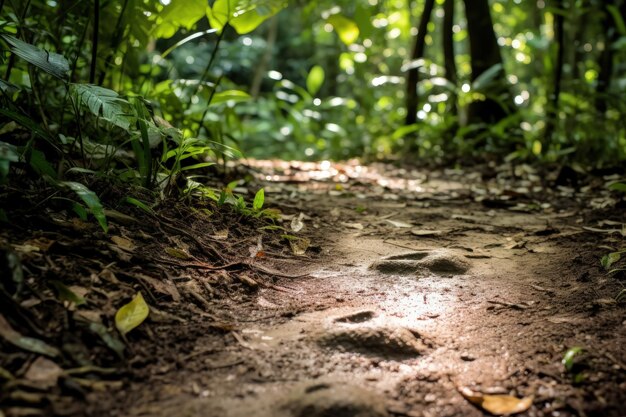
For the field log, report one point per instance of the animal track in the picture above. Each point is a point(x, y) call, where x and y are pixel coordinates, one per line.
point(440, 262)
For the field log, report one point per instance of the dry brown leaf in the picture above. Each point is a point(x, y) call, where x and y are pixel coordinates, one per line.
point(123, 243)
point(299, 246)
point(498, 405)
point(424, 232)
point(399, 225)
point(44, 373)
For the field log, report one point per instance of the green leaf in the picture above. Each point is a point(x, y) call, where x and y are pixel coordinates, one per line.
point(140, 204)
point(259, 199)
point(177, 14)
point(315, 79)
point(618, 186)
point(80, 211)
point(483, 80)
point(28, 123)
point(243, 15)
point(91, 200)
point(105, 103)
point(608, 260)
point(197, 166)
point(570, 355)
point(52, 63)
point(235, 96)
point(41, 165)
point(347, 30)
point(66, 294)
point(132, 314)
point(27, 343)
point(619, 20)
point(110, 340)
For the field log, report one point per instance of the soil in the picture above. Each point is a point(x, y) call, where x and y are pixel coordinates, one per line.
point(414, 285)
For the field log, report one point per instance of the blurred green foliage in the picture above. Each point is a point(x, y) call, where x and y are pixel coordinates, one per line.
point(196, 81)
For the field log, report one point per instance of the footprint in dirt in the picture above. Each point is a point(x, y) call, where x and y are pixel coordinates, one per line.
point(336, 399)
point(440, 262)
point(359, 332)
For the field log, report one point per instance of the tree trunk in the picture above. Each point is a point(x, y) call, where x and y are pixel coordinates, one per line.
point(485, 54)
point(448, 51)
point(606, 60)
point(413, 73)
point(448, 41)
point(559, 40)
point(261, 68)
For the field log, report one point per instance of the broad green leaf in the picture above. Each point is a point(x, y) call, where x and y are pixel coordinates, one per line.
point(52, 63)
point(132, 314)
point(105, 103)
point(570, 355)
point(315, 79)
point(243, 15)
point(229, 95)
point(91, 200)
point(259, 200)
point(347, 30)
point(177, 14)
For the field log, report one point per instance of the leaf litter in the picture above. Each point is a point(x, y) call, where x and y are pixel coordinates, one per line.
point(209, 297)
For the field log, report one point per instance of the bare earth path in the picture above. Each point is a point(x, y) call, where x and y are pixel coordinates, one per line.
point(417, 287)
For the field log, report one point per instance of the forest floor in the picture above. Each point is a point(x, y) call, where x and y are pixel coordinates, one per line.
point(397, 292)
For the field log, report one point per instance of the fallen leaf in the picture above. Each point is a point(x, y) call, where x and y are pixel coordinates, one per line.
point(299, 246)
point(132, 314)
point(124, 243)
point(27, 343)
point(42, 243)
point(424, 232)
point(221, 234)
point(297, 224)
point(67, 294)
point(357, 226)
point(109, 339)
point(177, 253)
point(257, 251)
point(399, 225)
point(499, 405)
point(44, 372)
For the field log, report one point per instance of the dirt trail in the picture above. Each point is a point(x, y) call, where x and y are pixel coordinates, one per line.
point(419, 289)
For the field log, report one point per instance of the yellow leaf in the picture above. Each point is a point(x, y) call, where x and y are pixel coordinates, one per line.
point(132, 314)
point(123, 243)
point(177, 253)
point(499, 405)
